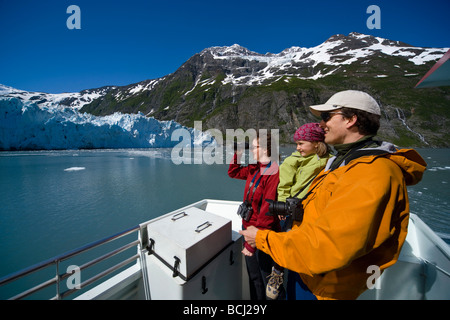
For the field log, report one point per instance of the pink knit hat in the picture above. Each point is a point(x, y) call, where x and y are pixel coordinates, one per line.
point(309, 132)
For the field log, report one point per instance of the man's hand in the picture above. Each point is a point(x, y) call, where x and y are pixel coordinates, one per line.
point(250, 235)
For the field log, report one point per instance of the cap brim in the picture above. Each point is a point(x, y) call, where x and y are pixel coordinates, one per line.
point(318, 109)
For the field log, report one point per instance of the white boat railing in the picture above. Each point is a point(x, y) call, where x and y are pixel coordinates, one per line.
point(56, 262)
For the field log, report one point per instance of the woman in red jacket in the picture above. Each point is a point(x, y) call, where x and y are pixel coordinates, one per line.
point(261, 183)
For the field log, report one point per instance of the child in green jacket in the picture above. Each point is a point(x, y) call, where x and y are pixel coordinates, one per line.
point(306, 162)
point(296, 174)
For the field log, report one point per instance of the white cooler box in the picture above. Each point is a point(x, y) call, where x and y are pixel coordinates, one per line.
point(193, 256)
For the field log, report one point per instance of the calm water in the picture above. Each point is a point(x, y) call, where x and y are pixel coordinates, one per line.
point(55, 201)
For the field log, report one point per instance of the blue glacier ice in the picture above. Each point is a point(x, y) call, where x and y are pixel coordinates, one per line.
point(27, 126)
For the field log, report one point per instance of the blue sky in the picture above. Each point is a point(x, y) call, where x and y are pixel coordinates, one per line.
point(124, 42)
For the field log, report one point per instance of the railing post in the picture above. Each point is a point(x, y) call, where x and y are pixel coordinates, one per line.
point(58, 296)
point(143, 236)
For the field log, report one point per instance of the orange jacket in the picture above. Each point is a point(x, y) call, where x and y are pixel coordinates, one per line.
point(355, 216)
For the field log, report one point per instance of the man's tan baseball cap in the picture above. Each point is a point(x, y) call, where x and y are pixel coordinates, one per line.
point(349, 99)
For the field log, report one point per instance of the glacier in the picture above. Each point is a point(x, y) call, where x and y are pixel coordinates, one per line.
point(24, 125)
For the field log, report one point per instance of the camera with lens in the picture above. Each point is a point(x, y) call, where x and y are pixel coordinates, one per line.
point(292, 207)
point(245, 210)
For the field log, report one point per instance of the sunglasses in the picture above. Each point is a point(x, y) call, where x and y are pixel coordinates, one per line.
point(327, 115)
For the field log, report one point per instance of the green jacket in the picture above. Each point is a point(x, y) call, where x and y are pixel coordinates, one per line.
point(296, 172)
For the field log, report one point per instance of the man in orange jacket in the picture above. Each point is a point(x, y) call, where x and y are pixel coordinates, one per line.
point(356, 211)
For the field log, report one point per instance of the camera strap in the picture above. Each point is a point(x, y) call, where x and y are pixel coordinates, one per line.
point(306, 186)
point(257, 182)
point(350, 155)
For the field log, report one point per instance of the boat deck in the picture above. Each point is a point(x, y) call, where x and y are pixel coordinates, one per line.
point(422, 271)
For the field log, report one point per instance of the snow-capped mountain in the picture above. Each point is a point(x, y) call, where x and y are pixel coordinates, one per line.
point(335, 53)
point(74, 100)
point(232, 87)
point(243, 67)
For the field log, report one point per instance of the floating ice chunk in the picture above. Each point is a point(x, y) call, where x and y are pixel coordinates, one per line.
point(75, 169)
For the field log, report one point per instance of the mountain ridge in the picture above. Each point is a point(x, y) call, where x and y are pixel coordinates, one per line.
point(233, 87)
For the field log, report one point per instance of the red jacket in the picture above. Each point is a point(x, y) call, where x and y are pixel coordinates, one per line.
point(267, 189)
